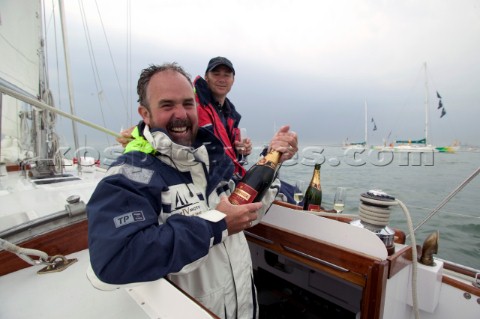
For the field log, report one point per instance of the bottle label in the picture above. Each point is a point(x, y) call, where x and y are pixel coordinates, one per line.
point(316, 185)
point(313, 207)
point(243, 194)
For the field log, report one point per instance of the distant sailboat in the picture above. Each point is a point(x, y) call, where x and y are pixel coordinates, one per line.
point(364, 144)
point(419, 145)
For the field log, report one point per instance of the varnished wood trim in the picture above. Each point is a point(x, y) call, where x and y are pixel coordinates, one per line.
point(373, 297)
point(458, 268)
point(64, 241)
point(350, 276)
point(470, 288)
point(354, 261)
point(315, 259)
point(399, 260)
point(11, 167)
point(399, 236)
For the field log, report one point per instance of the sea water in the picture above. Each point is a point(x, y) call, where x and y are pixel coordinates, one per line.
point(420, 181)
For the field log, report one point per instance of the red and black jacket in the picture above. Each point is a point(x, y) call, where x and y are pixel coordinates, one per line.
point(208, 117)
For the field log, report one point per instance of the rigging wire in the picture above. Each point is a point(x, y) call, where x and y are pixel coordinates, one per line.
point(129, 59)
point(44, 47)
point(444, 212)
point(449, 196)
point(113, 61)
point(98, 81)
point(102, 98)
point(57, 55)
point(52, 19)
point(93, 63)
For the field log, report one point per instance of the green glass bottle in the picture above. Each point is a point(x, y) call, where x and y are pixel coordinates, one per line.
point(313, 194)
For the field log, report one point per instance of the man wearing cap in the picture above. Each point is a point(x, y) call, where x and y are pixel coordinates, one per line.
point(217, 112)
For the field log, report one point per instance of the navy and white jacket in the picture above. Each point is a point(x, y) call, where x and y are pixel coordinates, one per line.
point(153, 216)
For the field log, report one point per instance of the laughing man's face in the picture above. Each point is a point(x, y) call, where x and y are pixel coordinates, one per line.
point(171, 107)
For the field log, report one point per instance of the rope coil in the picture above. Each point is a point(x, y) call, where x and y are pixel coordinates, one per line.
point(374, 208)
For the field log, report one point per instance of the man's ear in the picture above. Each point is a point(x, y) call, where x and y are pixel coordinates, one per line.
point(144, 113)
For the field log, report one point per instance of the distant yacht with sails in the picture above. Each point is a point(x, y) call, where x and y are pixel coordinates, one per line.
point(419, 145)
point(361, 145)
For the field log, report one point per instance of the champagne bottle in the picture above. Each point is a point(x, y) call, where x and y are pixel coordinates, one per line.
point(252, 187)
point(313, 194)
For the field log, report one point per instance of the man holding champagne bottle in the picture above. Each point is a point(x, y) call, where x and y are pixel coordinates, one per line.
point(163, 209)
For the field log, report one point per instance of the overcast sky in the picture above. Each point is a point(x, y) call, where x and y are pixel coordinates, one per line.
point(310, 64)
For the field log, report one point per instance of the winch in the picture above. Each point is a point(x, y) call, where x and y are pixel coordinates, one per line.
point(374, 213)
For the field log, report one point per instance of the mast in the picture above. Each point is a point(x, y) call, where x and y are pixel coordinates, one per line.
point(42, 128)
point(426, 104)
point(69, 79)
point(366, 125)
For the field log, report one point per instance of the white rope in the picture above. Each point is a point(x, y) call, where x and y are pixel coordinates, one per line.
point(25, 253)
point(414, 258)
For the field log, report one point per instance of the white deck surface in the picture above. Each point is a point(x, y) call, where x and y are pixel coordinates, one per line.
point(23, 201)
point(68, 294)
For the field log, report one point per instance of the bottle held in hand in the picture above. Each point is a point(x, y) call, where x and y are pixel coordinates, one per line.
point(313, 195)
point(257, 180)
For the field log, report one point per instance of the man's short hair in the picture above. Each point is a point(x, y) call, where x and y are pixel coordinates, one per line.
point(153, 69)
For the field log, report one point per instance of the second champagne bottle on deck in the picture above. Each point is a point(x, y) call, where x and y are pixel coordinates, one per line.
point(253, 186)
point(313, 194)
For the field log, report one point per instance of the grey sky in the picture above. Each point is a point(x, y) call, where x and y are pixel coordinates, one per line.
point(310, 64)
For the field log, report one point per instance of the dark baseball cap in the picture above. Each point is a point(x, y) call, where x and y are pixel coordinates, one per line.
point(220, 60)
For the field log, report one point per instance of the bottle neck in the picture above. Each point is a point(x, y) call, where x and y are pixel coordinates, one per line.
point(271, 159)
point(315, 182)
point(273, 156)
